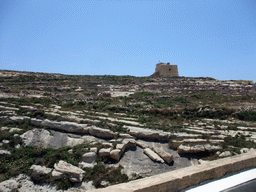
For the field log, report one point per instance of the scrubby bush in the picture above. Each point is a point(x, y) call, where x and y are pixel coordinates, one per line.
point(247, 116)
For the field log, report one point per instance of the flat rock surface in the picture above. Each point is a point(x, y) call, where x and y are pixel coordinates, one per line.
point(135, 161)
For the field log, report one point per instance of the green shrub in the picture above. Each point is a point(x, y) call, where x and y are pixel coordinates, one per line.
point(247, 116)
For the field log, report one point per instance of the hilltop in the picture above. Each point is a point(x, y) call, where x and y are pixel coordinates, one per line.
point(113, 129)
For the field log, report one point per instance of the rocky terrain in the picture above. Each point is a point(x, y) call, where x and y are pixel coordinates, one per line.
point(76, 133)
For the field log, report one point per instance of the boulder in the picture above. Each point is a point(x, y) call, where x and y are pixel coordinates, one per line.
point(104, 152)
point(84, 165)
point(75, 174)
point(129, 143)
point(89, 157)
point(9, 186)
point(4, 152)
point(225, 154)
point(57, 174)
point(39, 171)
point(116, 154)
point(152, 155)
point(163, 154)
point(102, 133)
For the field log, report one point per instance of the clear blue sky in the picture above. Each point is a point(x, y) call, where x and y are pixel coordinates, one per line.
point(205, 38)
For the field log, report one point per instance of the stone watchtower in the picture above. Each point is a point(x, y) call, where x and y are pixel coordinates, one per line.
point(166, 70)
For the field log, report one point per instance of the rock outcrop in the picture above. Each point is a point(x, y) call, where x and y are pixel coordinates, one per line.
point(67, 126)
point(148, 133)
point(48, 139)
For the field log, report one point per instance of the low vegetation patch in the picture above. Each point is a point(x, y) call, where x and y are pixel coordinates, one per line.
point(100, 173)
point(238, 141)
point(247, 116)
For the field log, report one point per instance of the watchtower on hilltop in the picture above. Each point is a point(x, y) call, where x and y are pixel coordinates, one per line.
point(166, 70)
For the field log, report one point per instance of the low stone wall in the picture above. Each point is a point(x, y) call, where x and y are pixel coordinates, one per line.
point(183, 178)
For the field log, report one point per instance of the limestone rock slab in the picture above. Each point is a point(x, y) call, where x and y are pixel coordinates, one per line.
point(102, 133)
point(75, 173)
point(163, 154)
point(89, 157)
point(152, 155)
point(148, 133)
